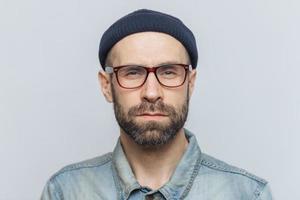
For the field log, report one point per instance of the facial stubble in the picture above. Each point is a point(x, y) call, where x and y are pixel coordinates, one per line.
point(150, 133)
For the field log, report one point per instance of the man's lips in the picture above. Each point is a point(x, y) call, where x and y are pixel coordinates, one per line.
point(152, 114)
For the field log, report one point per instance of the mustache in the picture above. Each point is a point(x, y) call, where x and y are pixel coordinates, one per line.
point(145, 107)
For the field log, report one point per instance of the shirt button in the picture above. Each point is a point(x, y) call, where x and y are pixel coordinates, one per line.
point(149, 197)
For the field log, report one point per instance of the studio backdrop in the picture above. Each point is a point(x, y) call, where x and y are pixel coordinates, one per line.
point(245, 109)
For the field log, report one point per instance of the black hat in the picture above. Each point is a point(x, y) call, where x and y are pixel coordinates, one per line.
point(148, 20)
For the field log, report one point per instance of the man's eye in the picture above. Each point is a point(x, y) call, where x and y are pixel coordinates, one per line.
point(133, 72)
point(168, 72)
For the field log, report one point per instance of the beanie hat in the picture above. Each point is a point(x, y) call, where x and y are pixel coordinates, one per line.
point(148, 20)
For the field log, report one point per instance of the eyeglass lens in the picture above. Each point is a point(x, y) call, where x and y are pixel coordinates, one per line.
point(134, 76)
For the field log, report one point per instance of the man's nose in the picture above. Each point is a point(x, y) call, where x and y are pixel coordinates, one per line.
point(151, 90)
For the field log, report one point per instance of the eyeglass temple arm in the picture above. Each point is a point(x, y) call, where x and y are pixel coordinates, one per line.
point(109, 69)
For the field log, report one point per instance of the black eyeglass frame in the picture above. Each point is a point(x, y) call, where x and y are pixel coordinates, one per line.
point(110, 70)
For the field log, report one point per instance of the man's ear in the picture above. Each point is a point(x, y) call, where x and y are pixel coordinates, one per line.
point(192, 80)
point(105, 84)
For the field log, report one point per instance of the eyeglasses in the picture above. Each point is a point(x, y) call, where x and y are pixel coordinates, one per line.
point(134, 76)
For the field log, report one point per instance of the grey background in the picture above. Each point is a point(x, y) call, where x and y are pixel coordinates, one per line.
point(245, 109)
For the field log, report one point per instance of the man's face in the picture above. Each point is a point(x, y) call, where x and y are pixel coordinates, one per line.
point(151, 114)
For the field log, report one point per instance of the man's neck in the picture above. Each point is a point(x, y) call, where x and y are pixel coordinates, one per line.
point(154, 166)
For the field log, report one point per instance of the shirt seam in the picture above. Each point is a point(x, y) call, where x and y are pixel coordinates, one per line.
point(258, 191)
point(57, 189)
point(192, 178)
point(78, 166)
point(233, 171)
point(116, 181)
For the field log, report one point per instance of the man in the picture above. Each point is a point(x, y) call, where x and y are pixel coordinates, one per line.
point(149, 60)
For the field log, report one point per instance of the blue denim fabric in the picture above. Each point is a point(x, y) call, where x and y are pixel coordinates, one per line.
point(197, 176)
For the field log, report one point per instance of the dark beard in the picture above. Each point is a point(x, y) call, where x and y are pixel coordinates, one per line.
point(151, 133)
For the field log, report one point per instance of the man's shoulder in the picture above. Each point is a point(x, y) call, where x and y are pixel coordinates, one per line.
point(228, 181)
point(86, 166)
point(81, 179)
point(216, 166)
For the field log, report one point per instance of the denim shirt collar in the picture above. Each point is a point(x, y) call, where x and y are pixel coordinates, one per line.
point(178, 185)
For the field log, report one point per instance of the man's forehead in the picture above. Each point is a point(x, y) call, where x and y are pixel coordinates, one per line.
point(147, 46)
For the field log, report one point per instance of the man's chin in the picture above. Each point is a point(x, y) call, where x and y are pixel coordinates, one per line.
point(152, 137)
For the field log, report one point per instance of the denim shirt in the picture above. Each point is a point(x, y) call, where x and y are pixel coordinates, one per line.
point(197, 176)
